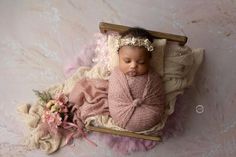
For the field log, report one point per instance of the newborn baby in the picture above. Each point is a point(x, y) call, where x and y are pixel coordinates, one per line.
point(135, 93)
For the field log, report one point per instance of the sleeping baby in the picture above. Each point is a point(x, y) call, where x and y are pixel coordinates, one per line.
point(133, 96)
point(135, 92)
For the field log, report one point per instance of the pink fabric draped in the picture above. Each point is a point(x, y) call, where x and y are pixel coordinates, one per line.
point(90, 98)
point(137, 106)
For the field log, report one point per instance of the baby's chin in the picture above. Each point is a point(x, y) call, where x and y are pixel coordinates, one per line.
point(134, 73)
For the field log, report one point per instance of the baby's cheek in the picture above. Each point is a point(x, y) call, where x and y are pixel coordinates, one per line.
point(123, 67)
point(143, 69)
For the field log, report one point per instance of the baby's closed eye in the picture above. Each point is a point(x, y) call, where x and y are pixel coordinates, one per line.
point(141, 62)
point(127, 60)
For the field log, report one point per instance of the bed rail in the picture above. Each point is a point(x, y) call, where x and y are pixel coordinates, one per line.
point(104, 27)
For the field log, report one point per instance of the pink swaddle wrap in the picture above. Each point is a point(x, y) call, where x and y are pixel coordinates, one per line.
point(135, 103)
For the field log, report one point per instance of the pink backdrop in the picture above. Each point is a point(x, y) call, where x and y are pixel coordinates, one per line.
point(37, 38)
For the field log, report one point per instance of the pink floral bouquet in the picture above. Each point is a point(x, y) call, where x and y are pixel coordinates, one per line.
point(61, 116)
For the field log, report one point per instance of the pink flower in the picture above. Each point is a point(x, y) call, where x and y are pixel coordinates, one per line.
point(52, 119)
point(62, 99)
point(53, 106)
point(57, 111)
point(59, 104)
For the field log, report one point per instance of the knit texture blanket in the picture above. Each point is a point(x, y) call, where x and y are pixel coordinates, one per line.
point(90, 98)
point(136, 103)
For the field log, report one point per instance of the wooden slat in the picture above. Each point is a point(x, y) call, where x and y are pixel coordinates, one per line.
point(123, 133)
point(104, 27)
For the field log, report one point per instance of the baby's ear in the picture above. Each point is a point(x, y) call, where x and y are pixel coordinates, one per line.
point(118, 51)
point(149, 55)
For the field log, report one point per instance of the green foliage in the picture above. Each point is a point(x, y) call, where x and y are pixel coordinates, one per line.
point(43, 96)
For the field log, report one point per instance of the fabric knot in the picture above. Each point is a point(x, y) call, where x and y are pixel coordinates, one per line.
point(137, 102)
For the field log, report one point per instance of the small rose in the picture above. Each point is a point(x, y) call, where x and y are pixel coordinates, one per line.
point(52, 119)
point(51, 103)
point(53, 106)
point(62, 98)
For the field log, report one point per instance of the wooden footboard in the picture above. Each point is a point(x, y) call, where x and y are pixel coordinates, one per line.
point(123, 133)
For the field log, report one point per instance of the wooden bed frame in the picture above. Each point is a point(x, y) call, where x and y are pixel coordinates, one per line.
point(105, 27)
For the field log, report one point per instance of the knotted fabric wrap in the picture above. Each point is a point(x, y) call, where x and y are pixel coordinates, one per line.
point(138, 106)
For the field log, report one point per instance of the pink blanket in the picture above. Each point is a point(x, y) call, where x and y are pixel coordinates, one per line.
point(136, 103)
point(90, 98)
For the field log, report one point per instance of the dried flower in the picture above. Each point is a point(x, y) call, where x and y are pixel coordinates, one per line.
point(59, 113)
point(52, 119)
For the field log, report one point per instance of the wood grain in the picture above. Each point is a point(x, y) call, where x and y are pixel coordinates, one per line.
point(104, 27)
point(123, 133)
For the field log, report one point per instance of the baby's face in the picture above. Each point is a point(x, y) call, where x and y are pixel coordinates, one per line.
point(133, 61)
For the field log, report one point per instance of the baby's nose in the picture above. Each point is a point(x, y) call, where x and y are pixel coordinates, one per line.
point(133, 65)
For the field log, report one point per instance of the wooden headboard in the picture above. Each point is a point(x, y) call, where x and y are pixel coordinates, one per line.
point(104, 27)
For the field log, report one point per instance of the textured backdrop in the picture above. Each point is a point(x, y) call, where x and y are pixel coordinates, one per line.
point(37, 36)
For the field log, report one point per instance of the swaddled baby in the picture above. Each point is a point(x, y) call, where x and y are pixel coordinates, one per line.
point(135, 93)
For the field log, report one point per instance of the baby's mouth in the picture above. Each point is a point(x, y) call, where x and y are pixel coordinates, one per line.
point(132, 73)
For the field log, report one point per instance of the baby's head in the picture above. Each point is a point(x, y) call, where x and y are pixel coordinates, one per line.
point(135, 51)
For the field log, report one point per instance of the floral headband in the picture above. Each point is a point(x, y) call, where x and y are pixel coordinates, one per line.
point(132, 41)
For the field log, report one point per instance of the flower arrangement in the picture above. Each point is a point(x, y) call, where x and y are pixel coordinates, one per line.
point(61, 116)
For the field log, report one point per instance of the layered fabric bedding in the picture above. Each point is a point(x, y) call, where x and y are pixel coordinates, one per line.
point(134, 103)
point(179, 65)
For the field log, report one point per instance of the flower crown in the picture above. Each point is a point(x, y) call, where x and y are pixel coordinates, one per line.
point(132, 41)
